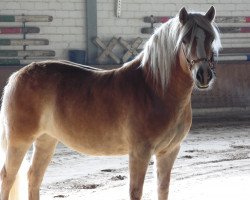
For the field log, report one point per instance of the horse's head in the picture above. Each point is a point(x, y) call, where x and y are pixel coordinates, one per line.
point(198, 43)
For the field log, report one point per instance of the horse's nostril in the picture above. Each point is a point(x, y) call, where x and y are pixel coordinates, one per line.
point(199, 75)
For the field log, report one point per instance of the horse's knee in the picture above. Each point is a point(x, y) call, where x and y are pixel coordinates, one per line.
point(6, 179)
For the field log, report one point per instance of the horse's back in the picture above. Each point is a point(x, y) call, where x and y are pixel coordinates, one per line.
point(66, 102)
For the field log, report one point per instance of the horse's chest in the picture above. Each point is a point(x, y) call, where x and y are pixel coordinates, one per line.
point(181, 129)
point(177, 131)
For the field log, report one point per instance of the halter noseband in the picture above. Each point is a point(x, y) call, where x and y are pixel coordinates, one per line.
point(210, 61)
point(191, 63)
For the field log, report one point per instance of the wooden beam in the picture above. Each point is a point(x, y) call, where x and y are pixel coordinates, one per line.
point(234, 29)
point(150, 30)
point(25, 18)
point(23, 42)
point(218, 19)
point(9, 62)
point(232, 19)
point(235, 51)
point(19, 30)
point(27, 53)
point(233, 58)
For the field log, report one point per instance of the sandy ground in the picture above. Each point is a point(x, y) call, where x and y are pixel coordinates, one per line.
point(213, 164)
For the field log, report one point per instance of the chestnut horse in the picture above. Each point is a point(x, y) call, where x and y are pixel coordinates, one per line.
point(141, 109)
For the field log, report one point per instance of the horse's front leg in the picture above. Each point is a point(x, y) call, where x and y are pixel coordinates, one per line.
point(164, 163)
point(138, 164)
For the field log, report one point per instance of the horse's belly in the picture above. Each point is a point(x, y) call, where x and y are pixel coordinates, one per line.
point(95, 144)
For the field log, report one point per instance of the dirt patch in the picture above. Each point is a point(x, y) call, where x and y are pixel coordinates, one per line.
point(187, 157)
point(108, 170)
point(240, 146)
point(60, 196)
point(118, 178)
point(86, 187)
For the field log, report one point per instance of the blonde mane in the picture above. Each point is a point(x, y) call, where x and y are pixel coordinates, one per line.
point(160, 51)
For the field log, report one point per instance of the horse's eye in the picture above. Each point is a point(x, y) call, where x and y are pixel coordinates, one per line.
point(185, 41)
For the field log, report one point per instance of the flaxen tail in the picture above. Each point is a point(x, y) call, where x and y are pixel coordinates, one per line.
point(19, 190)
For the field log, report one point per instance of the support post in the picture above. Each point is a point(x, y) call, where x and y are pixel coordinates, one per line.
point(91, 30)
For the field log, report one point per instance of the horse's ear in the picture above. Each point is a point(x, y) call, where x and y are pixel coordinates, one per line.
point(210, 14)
point(183, 16)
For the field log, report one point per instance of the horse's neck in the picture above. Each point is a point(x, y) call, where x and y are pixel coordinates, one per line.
point(180, 85)
point(177, 92)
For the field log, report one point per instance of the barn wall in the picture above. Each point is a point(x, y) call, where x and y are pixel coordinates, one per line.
point(231, 88)
point(66, 31)
point(130, 23)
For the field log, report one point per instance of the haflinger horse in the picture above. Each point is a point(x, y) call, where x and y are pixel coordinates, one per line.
point(141, 109)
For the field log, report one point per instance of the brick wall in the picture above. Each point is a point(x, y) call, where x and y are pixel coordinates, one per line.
point(67, 30)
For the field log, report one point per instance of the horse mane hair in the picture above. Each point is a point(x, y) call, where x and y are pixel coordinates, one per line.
point(160, 51)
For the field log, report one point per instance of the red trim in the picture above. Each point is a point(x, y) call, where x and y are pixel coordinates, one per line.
point(248, 19)
point(10, 30)
point(245, 30)
point(164, 19)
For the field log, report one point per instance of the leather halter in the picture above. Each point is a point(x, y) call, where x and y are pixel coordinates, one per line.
point(191, 63)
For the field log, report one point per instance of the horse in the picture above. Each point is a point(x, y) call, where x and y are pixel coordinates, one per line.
point(142, 109)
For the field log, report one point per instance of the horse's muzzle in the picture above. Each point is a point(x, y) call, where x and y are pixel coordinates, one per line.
point(204, 76)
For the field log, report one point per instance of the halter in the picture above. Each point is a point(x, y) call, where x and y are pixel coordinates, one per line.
point(191, 63)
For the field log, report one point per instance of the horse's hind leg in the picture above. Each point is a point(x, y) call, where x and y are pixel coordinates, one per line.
point(15, 152)
point(164, 162)
point(43, 151)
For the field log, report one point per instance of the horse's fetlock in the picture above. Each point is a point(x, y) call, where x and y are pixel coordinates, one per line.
point(135, 194)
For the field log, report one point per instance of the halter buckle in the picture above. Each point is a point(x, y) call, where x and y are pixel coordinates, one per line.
point(192, 62)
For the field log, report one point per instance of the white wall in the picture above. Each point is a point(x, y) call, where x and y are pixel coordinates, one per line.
point(68, 30)
point(131, 21)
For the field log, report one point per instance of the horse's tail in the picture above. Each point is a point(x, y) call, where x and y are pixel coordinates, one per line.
point(19, 190)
